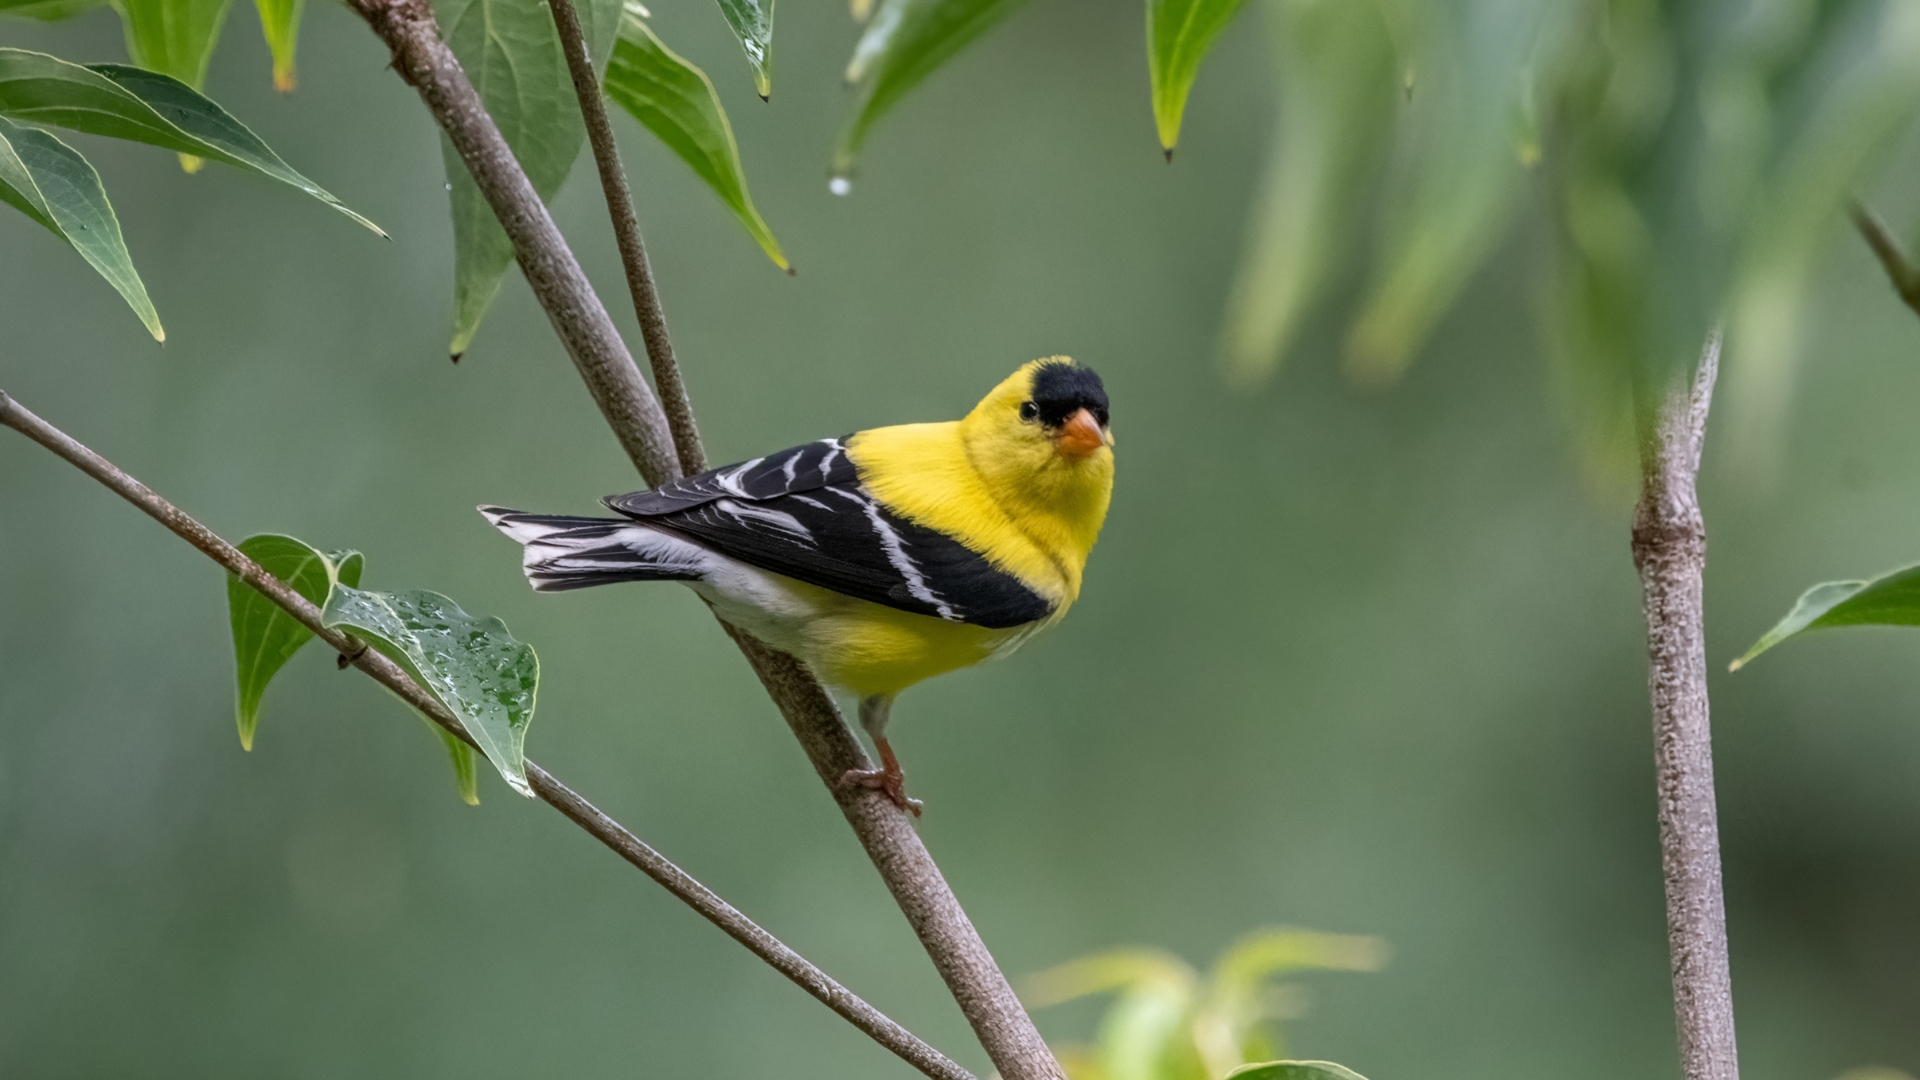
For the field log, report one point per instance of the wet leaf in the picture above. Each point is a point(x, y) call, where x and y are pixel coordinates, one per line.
point(173, 37)
point(752, 22)
point(280, 23)
point(511, 53)
point(1294, 1070)
point(124, 102)
point(1889, 600)
point(676, 101)
point(265, 637)
point(479, 671)
point(51, 183)
point(927, 34)
point(48, 10)
point(1179, 33)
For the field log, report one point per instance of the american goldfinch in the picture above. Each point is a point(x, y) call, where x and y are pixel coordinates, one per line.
point(881, 558)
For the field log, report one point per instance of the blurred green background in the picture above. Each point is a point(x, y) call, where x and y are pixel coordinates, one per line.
point(1365, 661)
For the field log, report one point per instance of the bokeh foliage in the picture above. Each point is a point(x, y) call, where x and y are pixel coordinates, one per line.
point(1672, 164)
point(1168, 1021)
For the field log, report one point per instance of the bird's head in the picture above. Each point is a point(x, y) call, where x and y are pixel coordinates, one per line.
point(1043, 435)
point(1051, 408)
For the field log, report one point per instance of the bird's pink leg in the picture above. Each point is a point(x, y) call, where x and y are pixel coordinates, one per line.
point(888, 778)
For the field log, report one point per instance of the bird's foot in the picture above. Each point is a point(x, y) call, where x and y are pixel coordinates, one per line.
point(892, 781)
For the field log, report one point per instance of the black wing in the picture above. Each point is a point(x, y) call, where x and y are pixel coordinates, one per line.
point(803, 513)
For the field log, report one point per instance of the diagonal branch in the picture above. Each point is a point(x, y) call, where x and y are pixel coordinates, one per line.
point(1905, 279)
point(1670, 551)
point(633, 250)
point(975, 980)
point(550, 790)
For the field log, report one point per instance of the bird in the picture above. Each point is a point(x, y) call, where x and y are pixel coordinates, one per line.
point(881, 558)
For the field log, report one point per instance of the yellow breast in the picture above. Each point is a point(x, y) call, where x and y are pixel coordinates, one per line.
point(927, 474)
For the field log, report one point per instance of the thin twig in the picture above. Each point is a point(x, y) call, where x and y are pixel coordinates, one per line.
point(1005, 1030)
point(1670, 551)
point(550, 790)
point(633, 250)
point(1906, 280)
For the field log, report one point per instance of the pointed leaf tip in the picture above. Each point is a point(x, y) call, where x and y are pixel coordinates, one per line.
point(480, 672)
point(1889, 600)
point(141, 105)
point(265, 637)
point(906, 41)
point(1179, 34)
point(677, 102)
point(50, 182)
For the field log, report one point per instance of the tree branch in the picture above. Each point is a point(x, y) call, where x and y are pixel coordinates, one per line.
point(626, 232)
point(1670, 551)
point(975, 980)
point(582, 324)
point(549, 789)
point(1906, 280)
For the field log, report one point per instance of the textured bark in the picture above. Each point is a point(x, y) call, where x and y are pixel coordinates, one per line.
point(1005, 1030)
point(633, 249)
point(549, 789)
point(1670, 551)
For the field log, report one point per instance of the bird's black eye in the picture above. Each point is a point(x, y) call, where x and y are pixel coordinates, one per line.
point(1029, 411)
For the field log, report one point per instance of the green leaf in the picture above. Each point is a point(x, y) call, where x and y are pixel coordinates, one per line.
point(280, 23)
point(512, 54)
point(1179, 33)
point(1294, 1070)
point(465, 777)
point(124, 102)
point(922, 35)
point(676, 101)
point(1849, 128)
point(1334, 66)
point(1463, 175)
point(48, 10)
point(752, 22)
point(265, 637)
point(1889, 600)
point(51, 183)
point(479, 671)
point(173, 37)
point(1240, 984)
point(1147, 1033)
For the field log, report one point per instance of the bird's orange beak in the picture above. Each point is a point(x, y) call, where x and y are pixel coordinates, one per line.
point(1080, 436)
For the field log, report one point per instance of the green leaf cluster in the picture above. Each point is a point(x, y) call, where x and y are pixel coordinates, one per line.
point(476, 668)
point(51, 183)
point(1674, 165)
point(1170, 1022)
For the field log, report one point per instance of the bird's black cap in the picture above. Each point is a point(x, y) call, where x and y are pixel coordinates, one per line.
point(1060, 389)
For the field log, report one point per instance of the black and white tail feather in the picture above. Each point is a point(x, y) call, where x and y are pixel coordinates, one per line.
point(562, 553)
point(801, 513)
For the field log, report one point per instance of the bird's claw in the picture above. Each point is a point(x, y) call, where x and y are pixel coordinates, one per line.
point(893, 783)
